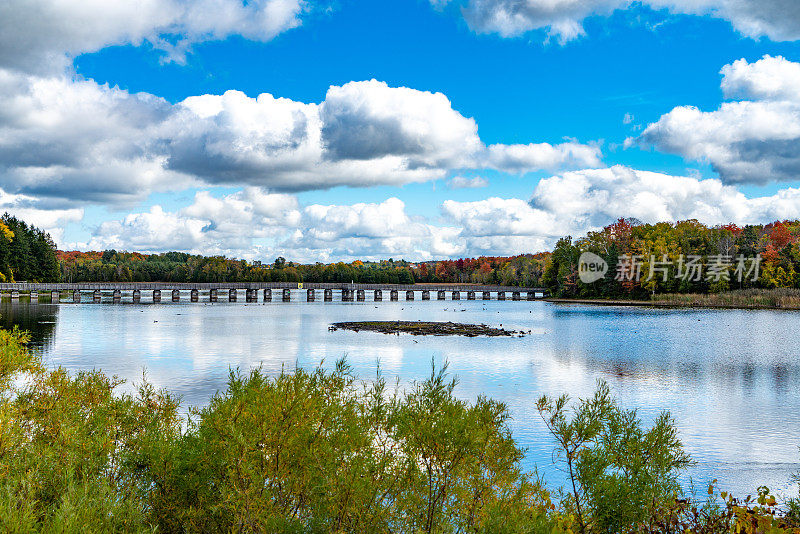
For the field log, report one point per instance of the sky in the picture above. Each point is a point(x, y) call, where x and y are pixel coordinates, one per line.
point(418, 129)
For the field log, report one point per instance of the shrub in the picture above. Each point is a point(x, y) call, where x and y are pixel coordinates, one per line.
point(620, 474)
point(319, 451)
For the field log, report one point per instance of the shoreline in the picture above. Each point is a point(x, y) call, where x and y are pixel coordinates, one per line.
point(665, 304)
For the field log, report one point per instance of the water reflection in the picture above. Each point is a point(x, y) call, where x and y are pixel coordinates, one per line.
point(730, 377)
point(37, 319)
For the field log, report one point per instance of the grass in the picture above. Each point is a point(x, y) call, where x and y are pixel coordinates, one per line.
point(787, 298)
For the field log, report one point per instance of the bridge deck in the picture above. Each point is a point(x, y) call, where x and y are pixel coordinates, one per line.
point(129, 286)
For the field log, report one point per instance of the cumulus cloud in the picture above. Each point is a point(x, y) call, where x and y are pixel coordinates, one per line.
point(369, 120)
point(563, 19)
point(78, 140)
point(770, 78)
point(593, 198)
point(369, 230)
point(573, 203)
point(74, 139)
point(44, 35)
point(33, 212)
point(209, 225)
point(754, 140)
point(257, 224)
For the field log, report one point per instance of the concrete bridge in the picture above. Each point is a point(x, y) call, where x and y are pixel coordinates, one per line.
point(264, 291)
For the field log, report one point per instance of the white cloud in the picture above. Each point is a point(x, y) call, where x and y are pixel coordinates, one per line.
point(73, 139)
point(210, 225)
point(523, 158)
point(256, 224)
point(777, 19)
point(770, 78)
point(593, 198)
point(369, 230)
point(33, 212)
point(370, 120)
point(237, 224)
point(76, 139)
point(466, 182)
point(575, 202)
point(44, 35)
point(747, 141)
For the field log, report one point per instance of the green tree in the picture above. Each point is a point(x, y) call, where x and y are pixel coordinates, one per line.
point(620, 474)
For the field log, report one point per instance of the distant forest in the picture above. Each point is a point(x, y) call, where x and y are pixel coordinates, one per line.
point(663, 256)
point(113, 266)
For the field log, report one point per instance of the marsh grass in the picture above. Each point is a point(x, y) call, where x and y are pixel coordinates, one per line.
point(788, 298)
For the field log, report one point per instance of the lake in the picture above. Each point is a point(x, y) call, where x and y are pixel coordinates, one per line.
point(731, 378)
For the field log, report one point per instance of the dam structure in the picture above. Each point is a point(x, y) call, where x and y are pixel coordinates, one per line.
point(261, 292)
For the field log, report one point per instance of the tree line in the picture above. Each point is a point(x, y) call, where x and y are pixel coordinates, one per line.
point(682, 257)
point(26, 252)
point(116, 266)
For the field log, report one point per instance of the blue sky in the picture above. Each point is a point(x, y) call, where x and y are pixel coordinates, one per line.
point(538, 111)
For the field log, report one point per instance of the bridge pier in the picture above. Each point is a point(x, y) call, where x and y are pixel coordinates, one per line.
point(212, 295)
point(347, 295)
point(393, 295)
point(15, 294)
point(137, 295)
point(287, 295)
point(487, 295)
point(426, 295)
point(231, 295)
point(34, 296)
point(409, 295)
point(176, 295)
point(194, 295)
point(251, 295)
point(310, 297)
point(470, 295)
point(327, 295)
point(97, 296)
point(530, 295)
point(156, 295)
point(360, 296)
point(267, 295)
point(76, 295)
point(440, 295)
point(55, 296)
point(515, 295)
point(501, 295)
point(116, 296)
point(378, 296)
point(456, 295)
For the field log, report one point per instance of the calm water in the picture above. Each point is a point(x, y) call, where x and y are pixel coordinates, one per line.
point(731, 378)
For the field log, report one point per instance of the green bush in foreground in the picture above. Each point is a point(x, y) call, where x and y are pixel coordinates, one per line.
point(319, 451)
